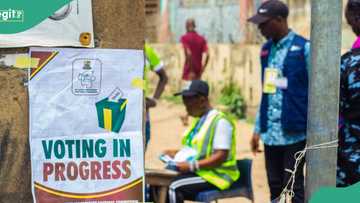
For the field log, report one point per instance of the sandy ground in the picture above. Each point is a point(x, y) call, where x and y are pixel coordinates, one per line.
point(166, 134)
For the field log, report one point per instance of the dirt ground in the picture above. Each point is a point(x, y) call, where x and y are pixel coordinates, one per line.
point(166, 131)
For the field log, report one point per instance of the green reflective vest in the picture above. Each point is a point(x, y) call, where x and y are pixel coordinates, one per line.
point(224, 175)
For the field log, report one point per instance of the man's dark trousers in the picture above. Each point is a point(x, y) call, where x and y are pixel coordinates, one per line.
point(279, 158)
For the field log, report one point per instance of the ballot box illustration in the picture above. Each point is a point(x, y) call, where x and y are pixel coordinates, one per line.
point(111, 111)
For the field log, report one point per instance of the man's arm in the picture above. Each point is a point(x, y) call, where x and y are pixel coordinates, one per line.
point(215, 160)
point(254, 142)
point(257, 122)
point(307, 54)
point(222, 143)
point(156, 65)
point(207, 57)
point(188, 60)
point(187, 52)
point(163, 79)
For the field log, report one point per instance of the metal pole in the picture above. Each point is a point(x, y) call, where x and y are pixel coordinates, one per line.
point(326, 18)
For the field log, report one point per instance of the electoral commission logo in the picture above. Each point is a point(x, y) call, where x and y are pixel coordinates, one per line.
point(11, 15)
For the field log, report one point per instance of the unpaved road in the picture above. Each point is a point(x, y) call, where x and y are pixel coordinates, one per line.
point(166, 134)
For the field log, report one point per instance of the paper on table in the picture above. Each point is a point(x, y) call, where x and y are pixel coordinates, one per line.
point(185, 154)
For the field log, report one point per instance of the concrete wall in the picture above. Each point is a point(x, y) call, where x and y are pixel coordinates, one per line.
point(237, 63)
point(152, 22)
point(226, 22)
point(217, 20)
point(240, 60)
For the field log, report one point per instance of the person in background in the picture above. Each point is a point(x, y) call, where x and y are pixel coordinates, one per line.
point(348, 170)
point(281, 121)
point(153, 63)
point(209, 145)
point(195, 48)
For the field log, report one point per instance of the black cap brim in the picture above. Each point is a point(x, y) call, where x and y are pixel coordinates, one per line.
point(258, 19)
point(186, 93)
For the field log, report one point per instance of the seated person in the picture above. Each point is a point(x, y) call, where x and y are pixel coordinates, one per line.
point(210, 143)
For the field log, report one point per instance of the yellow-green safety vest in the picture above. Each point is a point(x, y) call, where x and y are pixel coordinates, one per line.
point(224, 175)
point(152, 63)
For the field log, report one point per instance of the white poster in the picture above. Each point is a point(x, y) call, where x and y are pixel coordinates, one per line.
point(86, 125)
point(71, 25)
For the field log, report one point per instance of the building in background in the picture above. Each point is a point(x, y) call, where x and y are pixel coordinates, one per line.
point(234, 44)
point(152, 20)
point(217, 20)
point(220, 21)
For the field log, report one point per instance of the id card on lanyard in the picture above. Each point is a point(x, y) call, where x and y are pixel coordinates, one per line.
point(270, 77)
point(273, 80)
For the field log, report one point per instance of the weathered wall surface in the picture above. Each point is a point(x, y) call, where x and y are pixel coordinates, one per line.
point(119, 24)
point(226, 21)
point(115, 26)
point(237, 63)
point(15, 166)
point(217, 20)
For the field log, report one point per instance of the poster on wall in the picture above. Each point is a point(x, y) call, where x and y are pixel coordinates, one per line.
point(71, 25)
point(86, 125)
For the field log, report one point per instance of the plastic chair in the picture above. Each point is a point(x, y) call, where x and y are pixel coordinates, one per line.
point(241, 188)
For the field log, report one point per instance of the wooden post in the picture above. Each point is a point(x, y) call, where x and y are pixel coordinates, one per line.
point(326, 18)
point(117, 24)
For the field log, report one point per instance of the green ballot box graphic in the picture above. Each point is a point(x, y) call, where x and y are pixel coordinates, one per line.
point(111, 114)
